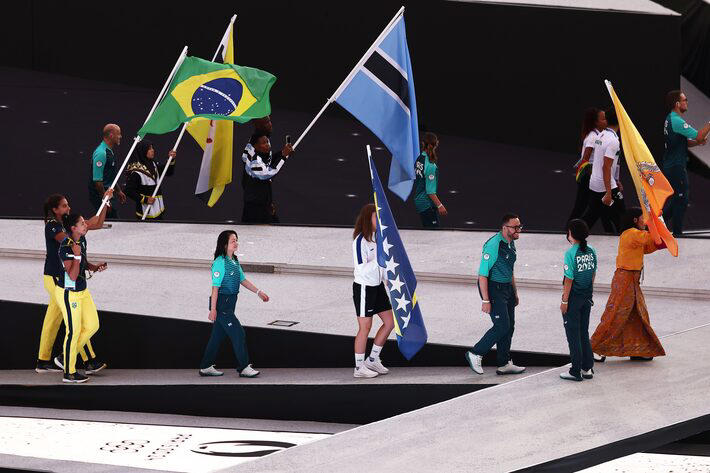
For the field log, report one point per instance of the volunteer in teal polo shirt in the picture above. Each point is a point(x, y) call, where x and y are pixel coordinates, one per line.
point(580, 268)
point(426, 181)
point(496, 285)
point(679, 137)
point(104, 168)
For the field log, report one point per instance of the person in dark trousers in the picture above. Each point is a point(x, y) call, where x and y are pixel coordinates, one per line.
point(426, 180)
point(496, 285)
point(104, 169)
point(260, 167)
point(143, 174)
point(593, 123)
point(227, 276)
point(580, 268)
point(605, 197)
point(679, 137)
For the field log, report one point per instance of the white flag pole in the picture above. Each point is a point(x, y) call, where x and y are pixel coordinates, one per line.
point(181, 58)
point(225, 38)
point(350, 76)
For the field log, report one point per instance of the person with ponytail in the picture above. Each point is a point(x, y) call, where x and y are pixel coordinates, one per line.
point(227, 276)
point(143, 174)
point(593, 123)
point(426, 180)
point(75, 301)
point(55, 208)
point(625, 328)
point(580, 268)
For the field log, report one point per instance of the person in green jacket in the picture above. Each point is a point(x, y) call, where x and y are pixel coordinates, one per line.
point(427, 203)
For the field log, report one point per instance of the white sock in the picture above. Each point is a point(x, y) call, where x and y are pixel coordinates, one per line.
point(375, 353)
point(359, 359)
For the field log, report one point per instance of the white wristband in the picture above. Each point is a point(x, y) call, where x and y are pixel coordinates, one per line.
point(486, 302)
point(564, 302)
point(439, 206)
point(258, 291)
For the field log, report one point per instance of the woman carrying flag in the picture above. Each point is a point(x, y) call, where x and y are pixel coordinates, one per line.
point(369, 295)
point(625, 328)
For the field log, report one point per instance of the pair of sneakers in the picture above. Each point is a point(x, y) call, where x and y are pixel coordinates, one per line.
point(588, 374)
point(476, 364)
point(91, 366)
point(370, 368)
point(247, 372)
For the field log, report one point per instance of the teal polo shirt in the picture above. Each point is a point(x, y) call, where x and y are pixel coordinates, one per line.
point(677, 132)
point(103, 166)
point(498, 259)
point(580, 266)
point(426, 181)
point(227, 274)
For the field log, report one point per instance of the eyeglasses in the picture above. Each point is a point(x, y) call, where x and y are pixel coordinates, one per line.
point(516, 228)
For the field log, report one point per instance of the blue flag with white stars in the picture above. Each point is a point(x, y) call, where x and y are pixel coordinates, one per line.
point(391, 255)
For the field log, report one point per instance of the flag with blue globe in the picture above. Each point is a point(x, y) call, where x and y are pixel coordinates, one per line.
point(391, 255)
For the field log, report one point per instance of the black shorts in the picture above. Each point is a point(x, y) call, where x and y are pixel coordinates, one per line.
point(370, 300)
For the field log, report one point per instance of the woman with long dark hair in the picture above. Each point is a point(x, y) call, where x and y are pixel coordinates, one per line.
point(593, 123)
point(143, 174)
point(580, 268)
point(227, 276)
point(55, 208)
point(426, 181)
point(369, 295)
point(75, 301)
point(625, 328)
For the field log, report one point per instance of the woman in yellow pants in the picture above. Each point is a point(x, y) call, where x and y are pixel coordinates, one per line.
point(55, 207)
point(75, 302)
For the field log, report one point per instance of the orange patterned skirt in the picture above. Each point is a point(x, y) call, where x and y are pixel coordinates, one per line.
point(625, 329)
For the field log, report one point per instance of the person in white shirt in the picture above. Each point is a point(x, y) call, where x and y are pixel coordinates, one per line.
point(605, 198)
point(369, 295)
point(593, 123)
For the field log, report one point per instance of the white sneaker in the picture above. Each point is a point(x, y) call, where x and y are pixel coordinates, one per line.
point(249, 372)
point(588, 374)
point(376, 366)
point(474, 361)
point(58, 362)
point(364, 372)
point(566, 375)
point(211, 371)
point(599, 358)
point(510, 368)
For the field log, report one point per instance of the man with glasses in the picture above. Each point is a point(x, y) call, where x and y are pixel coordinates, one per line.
point(496, 285)
point(679, 137)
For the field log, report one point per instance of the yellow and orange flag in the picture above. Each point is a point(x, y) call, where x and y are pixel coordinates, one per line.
point(652, 187)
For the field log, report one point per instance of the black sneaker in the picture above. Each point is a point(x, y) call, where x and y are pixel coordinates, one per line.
point(641, 358)
point(589, 374)
point(75, 378)
point(46, 367)
point(93, 366)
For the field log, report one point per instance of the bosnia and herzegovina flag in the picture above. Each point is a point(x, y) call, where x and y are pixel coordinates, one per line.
point(651, 185)
point(216, 138)
point(211, 90)
point(391, 255)
point(381, 95)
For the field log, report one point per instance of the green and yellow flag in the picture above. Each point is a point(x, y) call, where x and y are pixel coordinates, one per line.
point(216, 138)
point(211, 90)
point(652, 187)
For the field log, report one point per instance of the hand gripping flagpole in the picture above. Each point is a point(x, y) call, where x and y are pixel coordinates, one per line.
point(183, 54)
point(350, 76)
point(184, 126)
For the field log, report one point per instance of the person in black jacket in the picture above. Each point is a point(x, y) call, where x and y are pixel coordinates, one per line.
point(143, 174)
point(260, 166)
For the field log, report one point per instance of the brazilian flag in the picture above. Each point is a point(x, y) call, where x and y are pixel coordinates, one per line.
point(216, 91)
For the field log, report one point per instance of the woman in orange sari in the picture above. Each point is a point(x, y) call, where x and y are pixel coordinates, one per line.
point(625, 329)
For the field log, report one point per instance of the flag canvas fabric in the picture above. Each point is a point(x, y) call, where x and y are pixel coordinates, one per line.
point(651, 185)
point(381, 95)
point(211, 90)
point(392, 256)
point(216, 138)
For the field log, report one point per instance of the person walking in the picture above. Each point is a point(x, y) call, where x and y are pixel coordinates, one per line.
point(593, 123)
point(496, 286)
point(426, 181)
point(580, 268)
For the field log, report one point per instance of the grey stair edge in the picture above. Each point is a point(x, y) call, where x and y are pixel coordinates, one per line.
point(340, 271)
